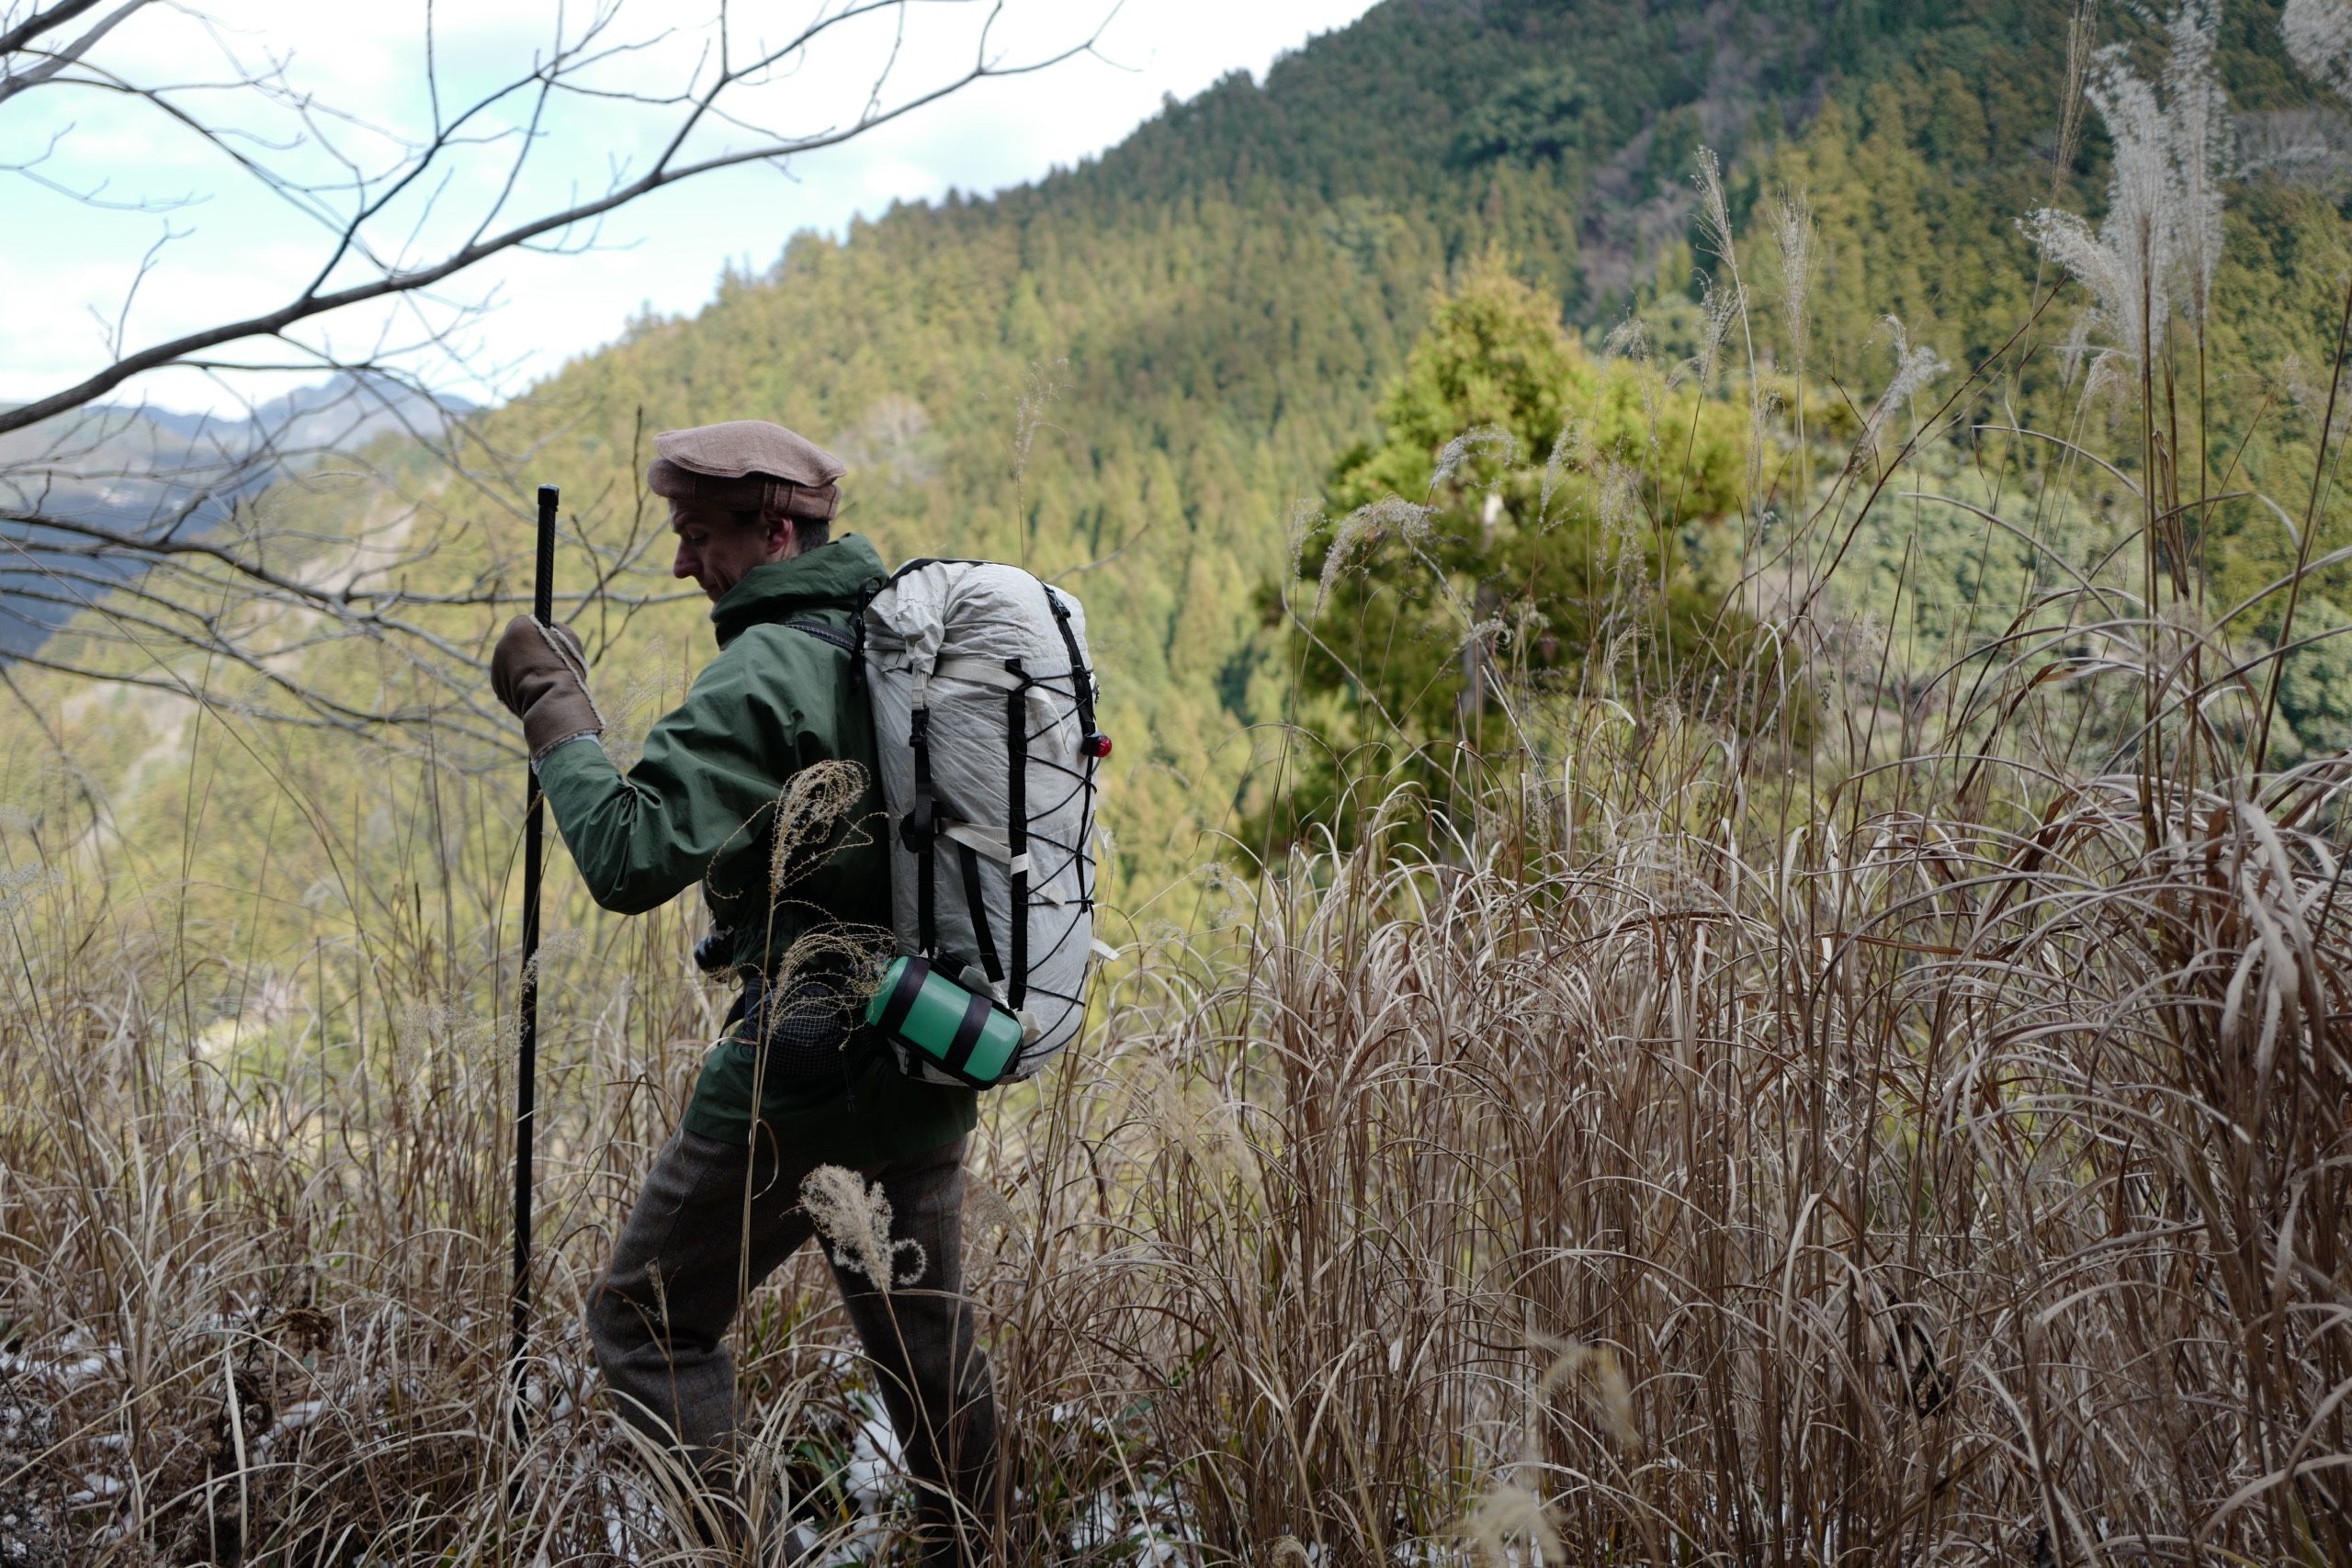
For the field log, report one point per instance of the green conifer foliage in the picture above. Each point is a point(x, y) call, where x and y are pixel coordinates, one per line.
point(1511, 541)
point(1130, 374)
point(1536, 115)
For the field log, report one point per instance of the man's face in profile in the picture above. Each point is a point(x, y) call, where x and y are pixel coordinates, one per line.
point(718, 548)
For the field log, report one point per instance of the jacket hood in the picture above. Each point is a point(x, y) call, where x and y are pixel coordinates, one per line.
point(834, 575)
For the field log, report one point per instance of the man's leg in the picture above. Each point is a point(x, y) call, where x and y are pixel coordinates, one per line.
point(659, 1319)
point(934, 1379)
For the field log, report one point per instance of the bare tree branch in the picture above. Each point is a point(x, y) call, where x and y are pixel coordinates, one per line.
point(316, 299)
point(13, 81)
point(39, 22)
point(165, 544)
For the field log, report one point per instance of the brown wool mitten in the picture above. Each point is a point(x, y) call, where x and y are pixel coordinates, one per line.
point(541, 674)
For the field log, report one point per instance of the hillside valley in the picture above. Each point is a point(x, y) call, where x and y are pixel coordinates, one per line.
point(1138, 376)
point(1728, 631)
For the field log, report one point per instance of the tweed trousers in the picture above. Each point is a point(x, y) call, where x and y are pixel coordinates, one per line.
point(711, 1223)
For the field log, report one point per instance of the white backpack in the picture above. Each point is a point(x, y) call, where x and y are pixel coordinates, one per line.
point(983, 696)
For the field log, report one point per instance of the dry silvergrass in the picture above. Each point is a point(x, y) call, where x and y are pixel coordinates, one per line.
point(1927, 1140)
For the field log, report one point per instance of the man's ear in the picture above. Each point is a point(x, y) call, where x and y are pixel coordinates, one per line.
point(783, 537)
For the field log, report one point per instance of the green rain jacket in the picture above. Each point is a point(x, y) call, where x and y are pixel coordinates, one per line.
point(701, 805)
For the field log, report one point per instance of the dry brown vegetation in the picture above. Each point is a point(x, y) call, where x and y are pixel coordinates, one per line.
point(1917, 1128)
point(1907, 1187)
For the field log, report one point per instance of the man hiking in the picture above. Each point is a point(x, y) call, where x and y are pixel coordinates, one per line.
point(795, 1080)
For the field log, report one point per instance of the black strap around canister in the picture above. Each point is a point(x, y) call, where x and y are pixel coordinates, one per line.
point(968, 1034)
point(902, 995)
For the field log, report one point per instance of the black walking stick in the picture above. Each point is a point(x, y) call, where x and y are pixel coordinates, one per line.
point(527, 1031)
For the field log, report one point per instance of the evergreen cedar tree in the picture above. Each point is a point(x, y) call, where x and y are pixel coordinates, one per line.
point(1522, 534)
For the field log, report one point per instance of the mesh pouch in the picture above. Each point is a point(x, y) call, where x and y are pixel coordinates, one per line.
point(804, 1028)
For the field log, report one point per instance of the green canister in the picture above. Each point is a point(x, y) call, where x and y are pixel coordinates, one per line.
point(955, 1029)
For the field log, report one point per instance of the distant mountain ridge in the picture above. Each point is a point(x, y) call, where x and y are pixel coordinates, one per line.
point(135, 468)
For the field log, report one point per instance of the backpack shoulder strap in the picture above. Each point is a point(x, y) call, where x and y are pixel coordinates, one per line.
point(824, 633)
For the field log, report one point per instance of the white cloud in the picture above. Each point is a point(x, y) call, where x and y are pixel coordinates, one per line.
point(243, 247)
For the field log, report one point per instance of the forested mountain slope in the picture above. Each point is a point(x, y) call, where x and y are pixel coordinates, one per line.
point(1135, 369)
point(1895, 951)
point(1130, 375)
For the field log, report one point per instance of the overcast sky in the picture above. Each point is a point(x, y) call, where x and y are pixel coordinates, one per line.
point(236, 246)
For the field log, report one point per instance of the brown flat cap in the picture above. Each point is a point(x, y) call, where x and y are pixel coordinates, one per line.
point(747, 464)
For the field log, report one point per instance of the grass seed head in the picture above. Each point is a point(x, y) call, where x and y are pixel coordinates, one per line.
point(854, 1217)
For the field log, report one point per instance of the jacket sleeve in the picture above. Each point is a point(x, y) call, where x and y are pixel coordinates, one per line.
point(709, 768)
